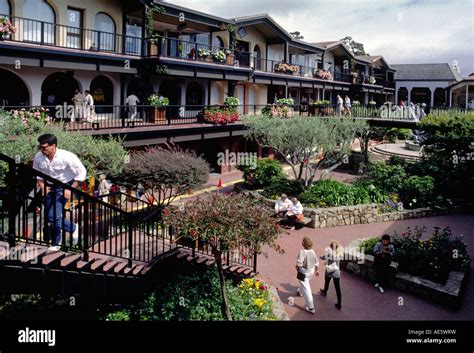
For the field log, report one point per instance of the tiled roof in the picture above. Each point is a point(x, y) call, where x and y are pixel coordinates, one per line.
point(325, 44)
point(441, 72)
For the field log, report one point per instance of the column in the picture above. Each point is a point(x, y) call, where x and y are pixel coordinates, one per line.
point(432, 96)
point(467, 94)
point(409, 95)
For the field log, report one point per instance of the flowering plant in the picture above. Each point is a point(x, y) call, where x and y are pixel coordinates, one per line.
point(324, 74)
point(220, 116)
point(355, 103)
point(286, 68)
point(6, 27)
point(372, 80)
point(158, 101)
point(203, 53)
point(285, 101)
point(278, 111)
point(219, 56)
point(35, 114)
point(255, 292)
point(372, 103)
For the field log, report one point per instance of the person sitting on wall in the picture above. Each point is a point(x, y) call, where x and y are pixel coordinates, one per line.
point(282, 205)
point(384, 252)
point(294, 213)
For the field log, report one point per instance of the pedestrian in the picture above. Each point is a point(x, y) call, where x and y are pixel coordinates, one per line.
point(140, 191)
point(347, 106)
point(104, 187)
point(65, 167)
point(384, 252)
point(294, 213)
point(78, 101)
point(306, 266)
point(89, 102)
point(282, 205)
point(332, 257)
point(132, 101)
point(339, 105)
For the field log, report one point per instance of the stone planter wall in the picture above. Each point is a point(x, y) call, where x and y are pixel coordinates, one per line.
point(362, 265)
point(349, 215)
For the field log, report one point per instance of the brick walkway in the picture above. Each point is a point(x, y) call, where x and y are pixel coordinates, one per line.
point(360, 300)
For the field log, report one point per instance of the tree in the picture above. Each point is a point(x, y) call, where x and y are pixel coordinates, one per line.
point(297, 35)
point(225, 222)
point(164, 173)
point(306, 144)
point(355, 47)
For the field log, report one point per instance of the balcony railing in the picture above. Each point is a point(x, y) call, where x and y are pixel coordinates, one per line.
point(193, 51)
point(51, 34)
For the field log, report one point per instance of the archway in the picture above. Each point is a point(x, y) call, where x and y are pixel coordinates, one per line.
point(402, 95)
point(421, 95)
point(33, 32)
point(58, 88)
point(194, 94)
point(102, 90)
point(172, 91)
point(257, 54)
point(15, 93)
point(439, 97)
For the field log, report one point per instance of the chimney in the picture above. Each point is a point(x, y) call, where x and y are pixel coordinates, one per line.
point(456, 66)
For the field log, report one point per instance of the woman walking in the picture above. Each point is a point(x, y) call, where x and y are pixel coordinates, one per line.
point(332, 258)
point(307, 264)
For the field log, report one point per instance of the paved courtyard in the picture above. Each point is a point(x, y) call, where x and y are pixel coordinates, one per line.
point(360, 300)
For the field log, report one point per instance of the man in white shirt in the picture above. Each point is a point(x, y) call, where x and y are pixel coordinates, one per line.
point(132, 101)
point(65, 167)
point(78, 101)
point(294, 210)
point(282, 205)
point(89, 101)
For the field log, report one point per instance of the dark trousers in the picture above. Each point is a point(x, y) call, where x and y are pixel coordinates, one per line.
point(382, 270)
point(337, 286)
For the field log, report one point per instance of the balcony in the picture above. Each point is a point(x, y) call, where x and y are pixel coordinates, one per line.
point(32, 32)
point(185, 51)
point(375, 80)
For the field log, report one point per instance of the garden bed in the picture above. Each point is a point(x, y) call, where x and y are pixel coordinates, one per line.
point(350, 215)
point(449, 293)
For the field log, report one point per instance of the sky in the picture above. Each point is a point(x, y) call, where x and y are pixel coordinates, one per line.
point(403, 31)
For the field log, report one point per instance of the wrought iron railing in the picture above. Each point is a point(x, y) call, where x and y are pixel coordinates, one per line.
point(34, 31)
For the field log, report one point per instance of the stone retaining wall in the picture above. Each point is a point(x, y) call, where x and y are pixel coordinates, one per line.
point(362, 265)
point(349, 215)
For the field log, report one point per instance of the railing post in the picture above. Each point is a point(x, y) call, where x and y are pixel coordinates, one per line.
point(11, 203)
point(85, 229)
point(254, 261)
point(42, 33)
point(130, 241)
point(98, 41)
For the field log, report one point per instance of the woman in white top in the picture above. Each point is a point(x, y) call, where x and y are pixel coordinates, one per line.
point(339, 102)
point(307, 265)
point(293, 211)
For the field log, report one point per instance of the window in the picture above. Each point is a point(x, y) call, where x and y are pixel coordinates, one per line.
point(5, 8)
point(134, 35)
point(105, 35)
point(74, 25)
point(257, 54)
point(218, 42)
point(32, 28)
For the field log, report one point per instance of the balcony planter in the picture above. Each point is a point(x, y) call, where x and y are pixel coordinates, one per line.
point(158, 111)
point(152, 48)
point(230, 59)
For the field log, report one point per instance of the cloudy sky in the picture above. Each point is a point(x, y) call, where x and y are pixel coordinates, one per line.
point(403, 31)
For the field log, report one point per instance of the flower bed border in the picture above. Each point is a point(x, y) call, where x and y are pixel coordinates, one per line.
point(358, 214)
point(449, 294)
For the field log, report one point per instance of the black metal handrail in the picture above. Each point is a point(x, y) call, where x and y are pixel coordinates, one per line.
point(55, 35)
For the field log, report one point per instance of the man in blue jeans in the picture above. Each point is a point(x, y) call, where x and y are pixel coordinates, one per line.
point(65, 167)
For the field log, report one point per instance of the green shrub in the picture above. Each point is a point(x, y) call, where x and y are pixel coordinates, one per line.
point(387, 177)
point(417, 191)
point(367, 246)
point(376, 194)
point(331, 193)
point(198, 297)
point(263, 174)
point(401, 134)
point(291, 187)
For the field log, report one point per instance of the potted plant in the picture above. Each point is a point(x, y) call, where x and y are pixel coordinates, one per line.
point(372, 80)
point(354, 77)
point(6, 28)
point(230, 57)
point(219, 56)
point(159, 105)
point(204, 54)
point(232, 103)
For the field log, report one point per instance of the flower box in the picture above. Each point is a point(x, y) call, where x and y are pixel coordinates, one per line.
point(230, 59)
point(158, 115)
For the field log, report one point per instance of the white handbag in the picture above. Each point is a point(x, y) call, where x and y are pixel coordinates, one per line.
point(332, 268)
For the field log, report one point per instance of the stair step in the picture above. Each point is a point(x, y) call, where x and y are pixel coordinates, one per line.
point(85, 265)
point(182, 254)
point(53, 259)
point(98, 265)
point(120, 267)
point(33, 255)
point(210, 262)
point(233, 268)
point(109, 266)
point(201, 259)
point(241, 270)
point(137, 270)
point(70, 261)
point(248, 272)
point(128, 270)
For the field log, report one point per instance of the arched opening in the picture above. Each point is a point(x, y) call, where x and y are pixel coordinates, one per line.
point(421, 95)
point(105, 37)
point(172, 91)
point(102, 90)
point(257, 54)
point(439, 97)
point(402, 95)
point(39, 9)
point(5, 8)
point(15, 93)
point(194, 94)
point(58, 89)
point(218, 42)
